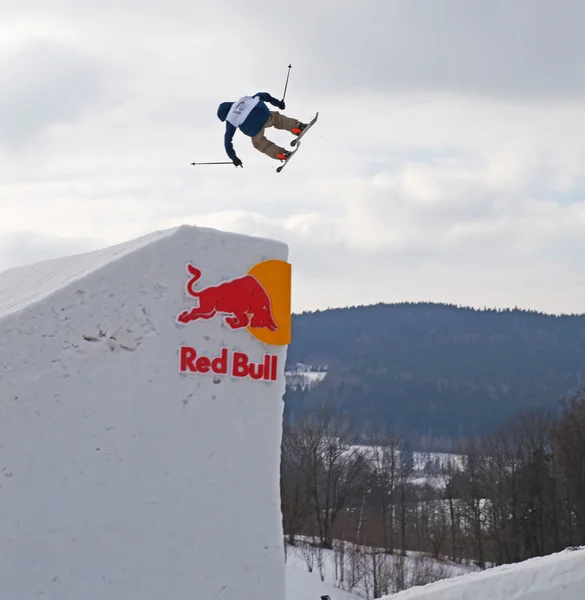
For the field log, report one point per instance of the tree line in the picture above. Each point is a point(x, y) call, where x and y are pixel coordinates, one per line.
point(434, 370)
point(514, 494)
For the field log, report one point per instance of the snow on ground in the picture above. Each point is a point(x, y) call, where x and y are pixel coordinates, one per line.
point(559, 576)
point(302, 585)
point(355, 579)
point(21, 286)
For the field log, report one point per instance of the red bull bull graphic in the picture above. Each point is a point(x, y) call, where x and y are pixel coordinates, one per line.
point(242, 300)
point(258, 301)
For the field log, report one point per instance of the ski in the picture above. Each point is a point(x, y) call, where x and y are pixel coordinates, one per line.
point(309, 125)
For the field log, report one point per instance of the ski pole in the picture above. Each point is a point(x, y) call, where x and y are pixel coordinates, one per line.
point(286, 84)
point(228, 162)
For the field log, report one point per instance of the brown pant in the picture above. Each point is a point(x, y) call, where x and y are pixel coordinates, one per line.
point(277, 121)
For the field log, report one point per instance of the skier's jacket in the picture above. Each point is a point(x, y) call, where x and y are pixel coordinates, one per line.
point(250, 120)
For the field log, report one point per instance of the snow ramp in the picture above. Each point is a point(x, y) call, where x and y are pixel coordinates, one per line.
point(141, 400)
point(559, 576)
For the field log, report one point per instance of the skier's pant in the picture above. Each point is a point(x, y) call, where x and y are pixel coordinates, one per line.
point(277, 121)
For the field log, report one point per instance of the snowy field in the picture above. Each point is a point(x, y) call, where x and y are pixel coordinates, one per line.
point(345, 573)
point(304, 376)
point(303, 585)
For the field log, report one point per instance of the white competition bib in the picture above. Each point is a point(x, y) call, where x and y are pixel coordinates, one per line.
point(241, 109)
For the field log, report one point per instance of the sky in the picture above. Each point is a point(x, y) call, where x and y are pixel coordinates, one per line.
point(447, 165)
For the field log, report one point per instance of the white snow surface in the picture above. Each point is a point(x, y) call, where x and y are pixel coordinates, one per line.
point(303, 585)
point(559, 576)
point(21, 286)
point(120, 478)
point(350, 573)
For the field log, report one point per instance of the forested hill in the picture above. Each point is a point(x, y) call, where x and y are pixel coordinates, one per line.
point(435, 369)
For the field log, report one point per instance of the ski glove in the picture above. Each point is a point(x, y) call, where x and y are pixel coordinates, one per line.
point(281, 105)
point(238, 162)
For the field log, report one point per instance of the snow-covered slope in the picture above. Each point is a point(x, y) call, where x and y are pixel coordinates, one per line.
point(304, 585)
point(21, 286)
point(559, 576)
point(122, 478)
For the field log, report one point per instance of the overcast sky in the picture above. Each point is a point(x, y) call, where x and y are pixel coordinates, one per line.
point(448, 163)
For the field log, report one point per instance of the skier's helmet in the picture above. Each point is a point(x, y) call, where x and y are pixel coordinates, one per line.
point(223, 110)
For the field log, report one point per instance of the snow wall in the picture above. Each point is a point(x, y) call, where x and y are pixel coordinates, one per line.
point(139, 442)
point(559, 576)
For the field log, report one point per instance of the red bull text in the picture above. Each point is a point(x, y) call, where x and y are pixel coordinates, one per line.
point(236, 364)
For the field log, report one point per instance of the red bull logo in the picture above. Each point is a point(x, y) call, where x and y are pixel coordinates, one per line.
point(237, 364)
point(258, 301)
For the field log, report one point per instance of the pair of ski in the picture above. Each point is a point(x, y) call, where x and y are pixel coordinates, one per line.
point(296, 142)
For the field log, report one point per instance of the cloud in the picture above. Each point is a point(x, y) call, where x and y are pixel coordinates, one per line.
point(23, 248)
point(471, 225)
point(42, 84)
point(517, 50)
point(447, 163)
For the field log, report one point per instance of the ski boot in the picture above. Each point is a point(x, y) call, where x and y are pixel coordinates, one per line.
point(284, 155)
point(300, 127)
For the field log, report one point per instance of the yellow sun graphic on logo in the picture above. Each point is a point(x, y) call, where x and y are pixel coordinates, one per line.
point(275, 277)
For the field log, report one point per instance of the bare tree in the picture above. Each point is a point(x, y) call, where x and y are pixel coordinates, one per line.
point(404, 493)
point(295, 479)
point(336, 466)
point(473, 496)
point(438, 527)
point(308, 552)
point(569, 437)
point(385, 460)
point(516, 493)
point(450, 475)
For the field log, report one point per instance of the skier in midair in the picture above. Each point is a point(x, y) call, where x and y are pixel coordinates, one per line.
point(252, 116)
